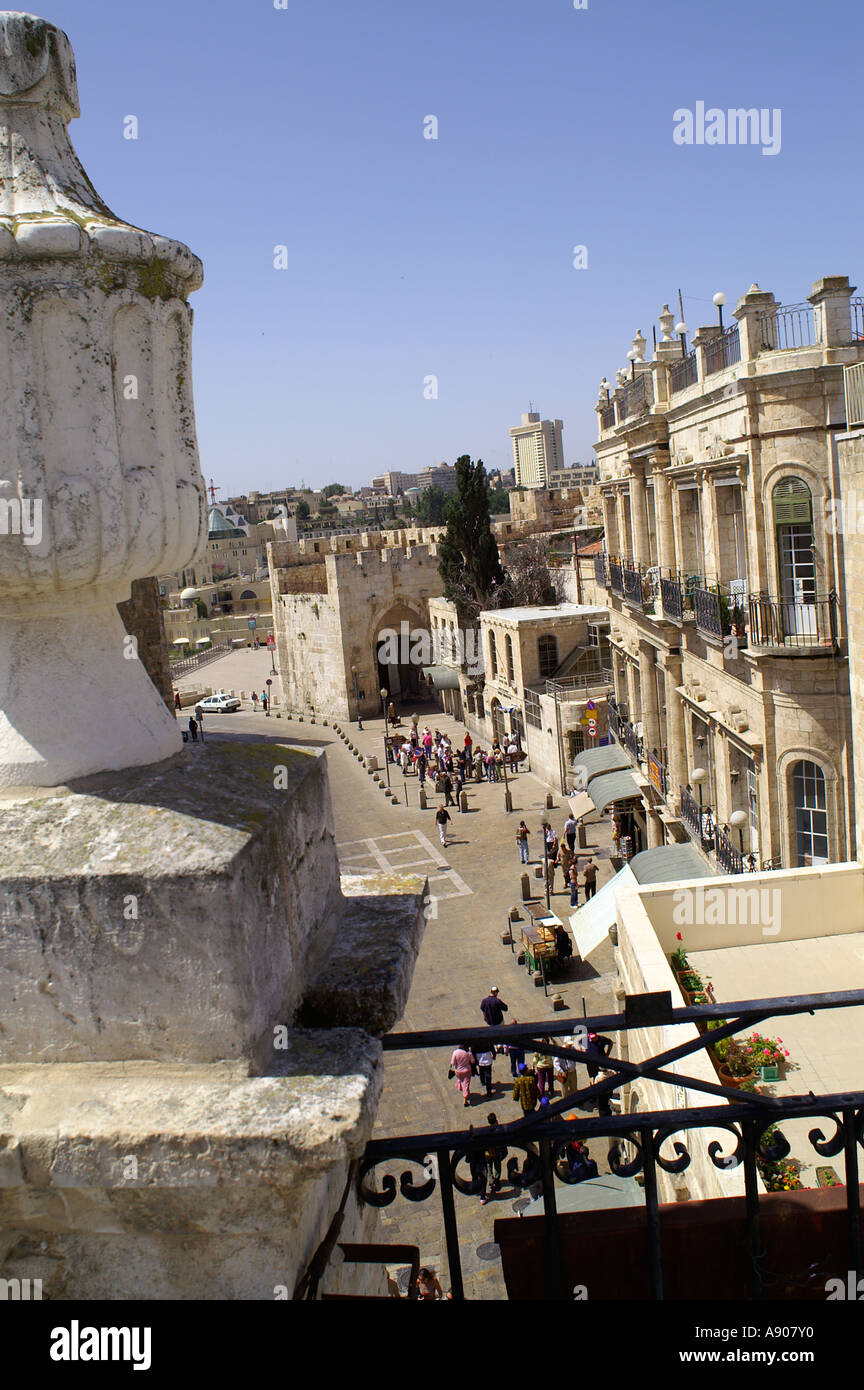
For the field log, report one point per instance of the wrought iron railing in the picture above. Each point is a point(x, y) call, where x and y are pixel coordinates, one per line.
point(616, 577)
point(600, 577)
point(672, 599)
point(788, 326)
point(607, 416)
point(709, 612)
point(723, 351)
point(632, 399)
point(853, 382)
point(633, 587)
point(856, 310)
point(192, 663)
point(683, 373)
point(691, 812)
point(793, 626)
point(576, 687)
point(626, 735)
point(533, 1149)
point(730, 860)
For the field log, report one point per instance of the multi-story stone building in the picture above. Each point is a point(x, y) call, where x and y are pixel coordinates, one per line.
point(725, 580)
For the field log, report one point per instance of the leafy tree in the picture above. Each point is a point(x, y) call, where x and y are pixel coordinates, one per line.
point(332, 490)
point(302, 512)
point(531, 577)
point(430, 506)
point(469, 564)
point(499, 501)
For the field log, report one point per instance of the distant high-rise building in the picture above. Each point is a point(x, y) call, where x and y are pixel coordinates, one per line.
point(537, 450)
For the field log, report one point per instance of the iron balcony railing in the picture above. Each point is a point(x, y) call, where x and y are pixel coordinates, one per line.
point(633, 399)
point(856, 309)
point(633, 587)
point(616, 577)
point(533, 1150)
point(723, 351)
point(691, 814)
point(626, 734)
point(794, 626)
point(576, 687)
point(600, 576)
point(684, 373)
point(607, 416)
point(709, 616)
point(729, 859)
point(672, 599)
point(853, 382)
point(788, 326)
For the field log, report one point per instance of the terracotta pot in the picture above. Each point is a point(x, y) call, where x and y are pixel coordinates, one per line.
point(729, 1080)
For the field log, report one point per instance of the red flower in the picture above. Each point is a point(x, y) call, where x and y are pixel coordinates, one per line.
point(679, 936)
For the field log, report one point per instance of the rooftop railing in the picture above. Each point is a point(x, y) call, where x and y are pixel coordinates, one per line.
point(853, 383)
point(607, 416)
point(723, 351)
point(683, 373)
point(633, 398)
point(788, 326)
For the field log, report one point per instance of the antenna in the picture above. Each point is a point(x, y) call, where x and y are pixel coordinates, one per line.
point(531, 407)
point(213, 490)
point(680, 307)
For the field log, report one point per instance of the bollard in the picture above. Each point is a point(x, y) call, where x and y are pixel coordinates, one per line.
point(538, 871)
point(508, 801)
point(557, 1001)
point(515, 914)
point(422, 795)
point(538, 979)
point(549, 802)
point(526, 888)
point(463, 802)
point(506, 938)
point(581, 837)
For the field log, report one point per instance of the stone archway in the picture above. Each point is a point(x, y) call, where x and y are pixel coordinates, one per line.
point(399, 652)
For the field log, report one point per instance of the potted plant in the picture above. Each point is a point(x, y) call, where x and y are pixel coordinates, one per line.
point(767, 1055)
point(739, 622)
point(736, 1066)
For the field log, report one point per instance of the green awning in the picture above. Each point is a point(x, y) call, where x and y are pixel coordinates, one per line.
point(442, 677)
point(613, 786)
point(610, 758)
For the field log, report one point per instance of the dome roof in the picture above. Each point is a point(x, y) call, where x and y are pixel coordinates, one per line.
point(219, 527)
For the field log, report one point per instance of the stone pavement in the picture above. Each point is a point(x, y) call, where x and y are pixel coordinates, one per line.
point(474, 883)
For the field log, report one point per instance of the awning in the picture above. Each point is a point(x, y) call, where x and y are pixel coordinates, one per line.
point(181, 641)
point(442, 677)
point(606, 759)
point(670, 864)
point(613, 786)
point(203, 642)
point(589, 925)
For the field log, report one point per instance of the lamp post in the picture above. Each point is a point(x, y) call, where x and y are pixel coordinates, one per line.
point(383, 693)
point(681, 330)
point(720, 300)
point(739, 820)
point(631, 358)
point(546, 867)
point(357, 697)
point(697, 777)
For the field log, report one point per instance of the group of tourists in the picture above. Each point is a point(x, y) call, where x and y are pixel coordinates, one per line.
point(560, 853)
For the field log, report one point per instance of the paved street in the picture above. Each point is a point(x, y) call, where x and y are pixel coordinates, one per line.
point(474, 882)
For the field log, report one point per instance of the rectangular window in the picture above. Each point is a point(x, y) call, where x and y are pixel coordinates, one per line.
point(533, 715)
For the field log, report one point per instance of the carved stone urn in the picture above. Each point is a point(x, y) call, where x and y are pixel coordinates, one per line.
point(99, 475)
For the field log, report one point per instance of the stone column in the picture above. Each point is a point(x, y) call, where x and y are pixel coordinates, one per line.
point(665, 521)
point(634, 702)
point(648, 686)
point(621, 520)
point(610, 524)
point(639, 514)
point(830, 300)
point(676, 749)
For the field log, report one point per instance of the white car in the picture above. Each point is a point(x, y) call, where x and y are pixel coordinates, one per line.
point(218, 704)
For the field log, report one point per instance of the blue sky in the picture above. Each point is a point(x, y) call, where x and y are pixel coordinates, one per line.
point(410, 257)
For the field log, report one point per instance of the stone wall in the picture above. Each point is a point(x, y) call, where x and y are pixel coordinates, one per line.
point(141, 615)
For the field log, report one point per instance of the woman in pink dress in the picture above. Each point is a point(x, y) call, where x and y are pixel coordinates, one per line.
point(460, 1064)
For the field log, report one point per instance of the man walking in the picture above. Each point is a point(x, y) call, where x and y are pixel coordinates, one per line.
point(522, 842)
point(590, 879)
point(442, 816)
point(574, 885)
point(199, 715)
point(193, 729)
point(485, 1061)
point(493, 1009)
point(525, 1090)
point(570, 831)
point(448, 791)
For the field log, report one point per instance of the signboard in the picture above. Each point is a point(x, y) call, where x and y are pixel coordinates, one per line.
point(585, 719)
point(253, 622)
point(590, 705)
point(271, 642)
point(655, 774)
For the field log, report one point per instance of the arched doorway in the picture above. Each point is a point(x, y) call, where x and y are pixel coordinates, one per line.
point(401, 649)
point(792, 506)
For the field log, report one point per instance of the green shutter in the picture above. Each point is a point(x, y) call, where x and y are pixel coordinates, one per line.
point(793, 505)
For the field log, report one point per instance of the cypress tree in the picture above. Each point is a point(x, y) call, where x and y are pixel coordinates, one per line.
point(469, 564)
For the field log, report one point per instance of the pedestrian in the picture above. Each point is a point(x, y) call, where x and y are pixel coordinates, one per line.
point(391, 712)
point(513, 756)
point(563, 944)
point(485, 1062)
point(522, 842)
point(177, 703)
point(193, 728)
point(570, 831)
point(448, 790)
point(544, 1070)
point(457, 788)
point(489, 764)
point(254, 700)
point(590, 879)
point(199, 715)
point(468, 743)
point(574, 885)
point(515, 1053)
point(264, 703)
point(421, 768)
point(565, 1070)
point(462, 1065)
point(525, 1089)
point(442, 816)
point(493, 1009)
point(580, 1162)
point(495, 1155)
point(566, 858)
point(597, 1049)
point(428, 1287)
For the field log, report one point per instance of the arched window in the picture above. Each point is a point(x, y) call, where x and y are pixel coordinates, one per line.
point(811, 814)
point(508, 648)
point(248, 593)
point(547, 656)
point(792, 506)
point(493, 655)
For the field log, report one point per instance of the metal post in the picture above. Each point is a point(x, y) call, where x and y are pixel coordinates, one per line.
point(751, 1131)
point(652, 1214)
point(553, 1279)
point(546, 869)
point(853, 1195)
point(451, 1233)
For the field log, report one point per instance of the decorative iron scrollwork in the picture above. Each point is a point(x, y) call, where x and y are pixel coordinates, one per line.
point(669, 1165)
point(715, 1149)
point(414, 1192)
point(829, 1148)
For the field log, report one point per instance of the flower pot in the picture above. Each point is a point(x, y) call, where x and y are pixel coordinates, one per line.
point(732, 1081)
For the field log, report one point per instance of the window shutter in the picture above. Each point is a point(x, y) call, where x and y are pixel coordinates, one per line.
point(793, 505)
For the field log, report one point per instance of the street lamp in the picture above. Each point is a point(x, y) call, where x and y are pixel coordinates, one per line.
point(357, 697)
point(739, 820)
point(697, 777)
point(631, 358)
point(383, 693)
point(720, 300)
point(681, 330)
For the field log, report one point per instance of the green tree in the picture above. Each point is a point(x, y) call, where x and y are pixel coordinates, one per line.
point(469, 564)
point(499, 501)
point(332, 490)
point(302, 513)
point(430, 506)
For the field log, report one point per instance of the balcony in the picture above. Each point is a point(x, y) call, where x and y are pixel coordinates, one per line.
point(788, 326)
point(683, 374)
point(616, 578)
point(729, 859)
point(633, 399)
point(607, 416)
point(722, 351)
point(633, 588)
point(709, 613)
point(794, 627)
point(600, 576)
point(672, 599)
